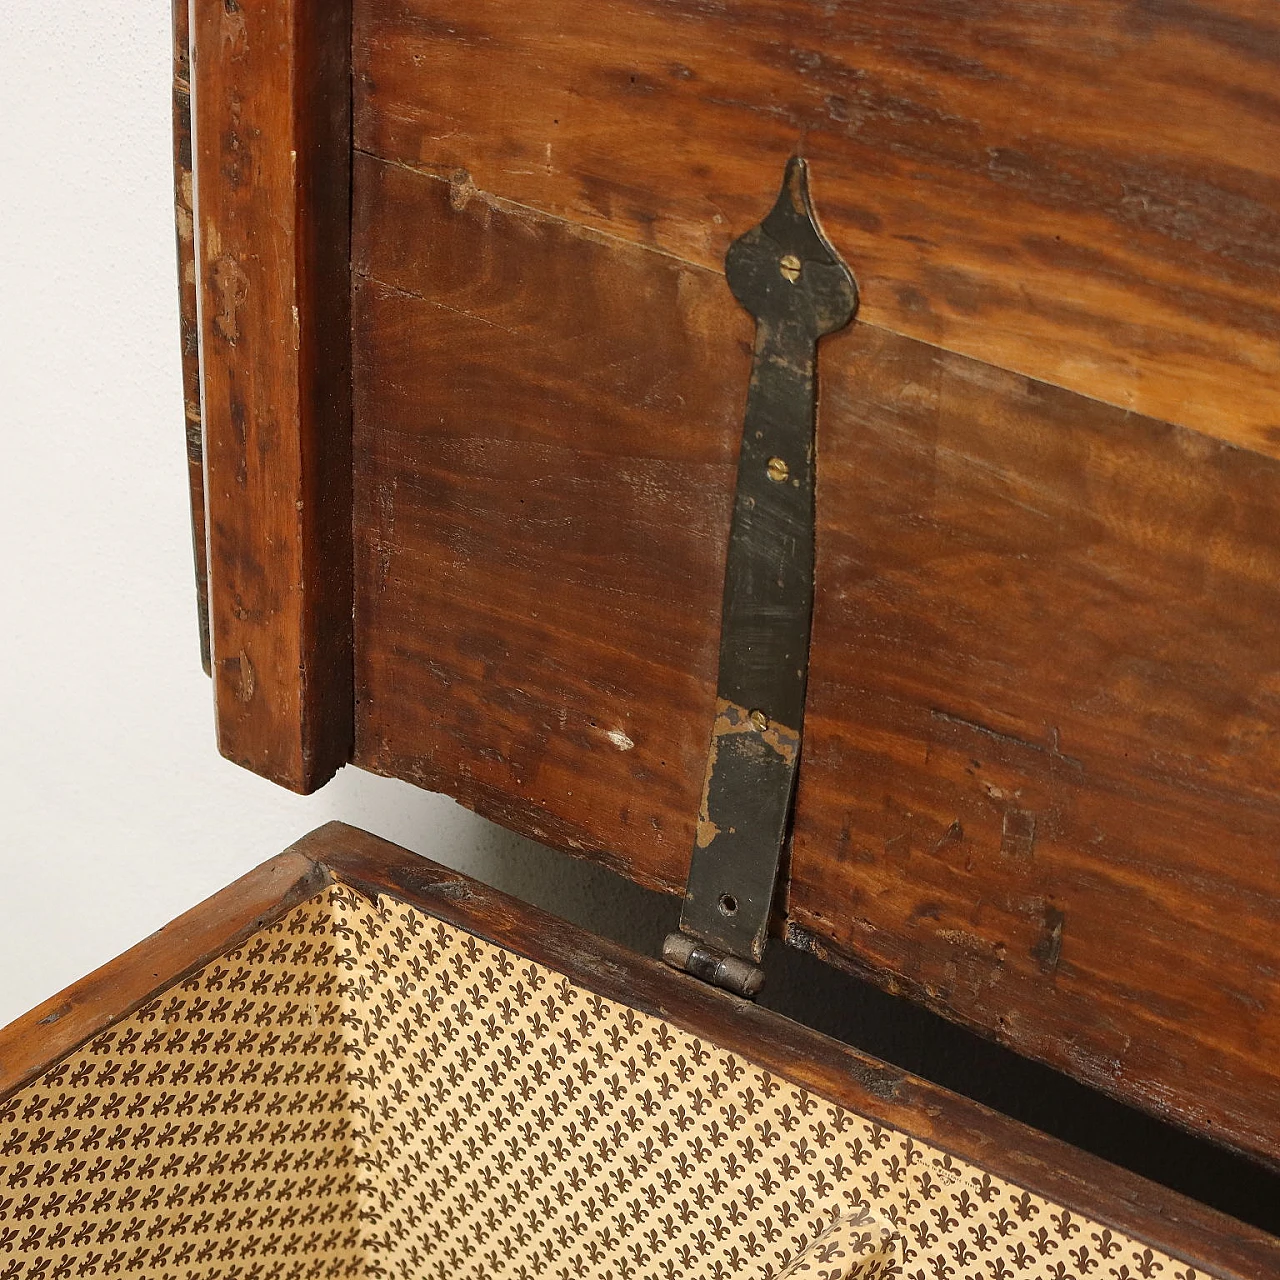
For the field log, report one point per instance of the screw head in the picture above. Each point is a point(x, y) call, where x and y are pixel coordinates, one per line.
point(759, 721)
point(777, 470)
point(790, 267)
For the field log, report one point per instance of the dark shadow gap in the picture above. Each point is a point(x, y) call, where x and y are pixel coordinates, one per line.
point(927, 1045)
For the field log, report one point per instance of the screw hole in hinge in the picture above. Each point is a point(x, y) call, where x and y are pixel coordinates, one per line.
point(728, 904)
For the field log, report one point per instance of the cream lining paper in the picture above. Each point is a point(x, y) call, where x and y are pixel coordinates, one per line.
point(363, 1090)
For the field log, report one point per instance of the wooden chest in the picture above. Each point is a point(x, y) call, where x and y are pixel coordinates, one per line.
point(470, 400)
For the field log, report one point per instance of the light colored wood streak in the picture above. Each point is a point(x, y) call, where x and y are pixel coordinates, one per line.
point(1085, 192)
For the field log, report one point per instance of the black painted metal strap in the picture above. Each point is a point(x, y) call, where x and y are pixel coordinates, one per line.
point(793, 282)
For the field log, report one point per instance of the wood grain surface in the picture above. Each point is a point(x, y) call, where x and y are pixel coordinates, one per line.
point(1038, 789)
point(1037, 781)
point(272, 155)
point(188, 318)
point(1086, 191)
point(545, 436)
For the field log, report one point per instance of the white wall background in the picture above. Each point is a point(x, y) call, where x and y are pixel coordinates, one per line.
point(116, 812)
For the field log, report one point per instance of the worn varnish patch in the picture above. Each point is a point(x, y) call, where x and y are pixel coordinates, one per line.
point(734, 721)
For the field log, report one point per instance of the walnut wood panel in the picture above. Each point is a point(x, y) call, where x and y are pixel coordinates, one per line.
point(1037, 788)
point(188, 318)
point(329, 1115)
point(545, 434)
point(1040, 761)
point(272, 155)
point(1086, 191)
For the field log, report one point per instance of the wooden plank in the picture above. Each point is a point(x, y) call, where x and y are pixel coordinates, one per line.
point(1086, 191)
point(1037, 783)
point(541, 493)
point(272, 158)
point(33, 1043)
point(188, 318)
point(1038, 790)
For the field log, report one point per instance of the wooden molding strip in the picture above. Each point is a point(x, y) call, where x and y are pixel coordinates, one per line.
point(271, 92)
point(188, 311)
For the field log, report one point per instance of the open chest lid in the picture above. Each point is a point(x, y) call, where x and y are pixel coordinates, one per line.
point(473, 395)
point(354, 1062)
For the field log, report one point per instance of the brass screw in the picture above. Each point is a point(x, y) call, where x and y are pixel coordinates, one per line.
point(778, 470)
point(790, 267)
point(759, 721)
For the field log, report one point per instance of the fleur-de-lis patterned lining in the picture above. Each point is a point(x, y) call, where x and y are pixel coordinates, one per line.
point(364, 1090)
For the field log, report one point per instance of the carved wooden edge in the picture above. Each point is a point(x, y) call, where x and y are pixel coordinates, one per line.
point(271, 93)
point(1214, 1243)
point(188, 318)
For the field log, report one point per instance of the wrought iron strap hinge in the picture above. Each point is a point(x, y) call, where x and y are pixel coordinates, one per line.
point(786, 274)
